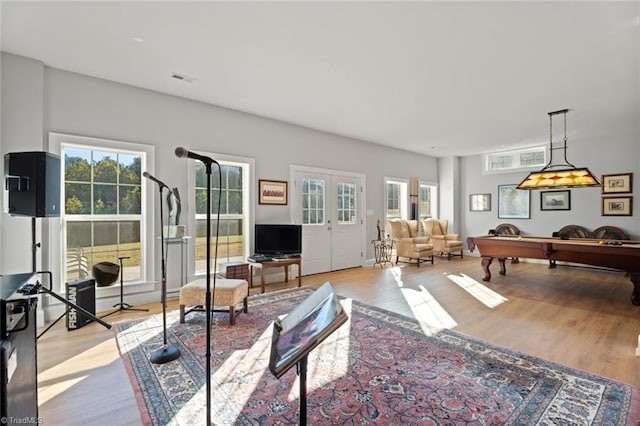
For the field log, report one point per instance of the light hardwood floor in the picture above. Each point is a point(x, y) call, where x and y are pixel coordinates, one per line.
point(579, 317)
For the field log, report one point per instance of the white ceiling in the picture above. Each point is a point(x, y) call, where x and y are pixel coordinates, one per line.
point(440, 78)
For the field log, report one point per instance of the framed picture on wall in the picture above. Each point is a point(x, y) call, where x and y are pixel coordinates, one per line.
point(617, 184)
point(272, 192)
point(555, 200)
point(513, 203)
point(480, 202)
point(617, 206)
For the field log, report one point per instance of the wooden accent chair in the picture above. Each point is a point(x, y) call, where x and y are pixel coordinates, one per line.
point(605, 232)
point(609, 233)
point(506, 229)
point(572, 231)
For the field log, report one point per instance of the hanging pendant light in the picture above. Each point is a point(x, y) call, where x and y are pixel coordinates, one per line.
point(563, 175)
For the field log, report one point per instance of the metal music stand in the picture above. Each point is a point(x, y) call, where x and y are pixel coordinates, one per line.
point(123, 306)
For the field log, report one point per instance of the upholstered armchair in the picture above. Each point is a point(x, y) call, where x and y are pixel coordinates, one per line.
point(409, 244)
point(443, 242)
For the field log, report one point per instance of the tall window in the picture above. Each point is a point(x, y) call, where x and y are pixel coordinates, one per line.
point(397, 199)
point(102, 209)
point(233, 190)
point(427, 201)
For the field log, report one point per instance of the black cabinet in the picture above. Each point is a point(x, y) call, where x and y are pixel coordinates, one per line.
point(18, 356)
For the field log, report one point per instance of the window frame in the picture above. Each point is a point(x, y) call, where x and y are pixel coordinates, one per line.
point(314, 209)
point(248, 204)
point(404, 197)
point(57, 226)
point(433, 192)
point(346, 203)
point(515, 155)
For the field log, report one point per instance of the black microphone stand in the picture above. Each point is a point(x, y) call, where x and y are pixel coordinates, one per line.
point(208, 294)
point(166, 353)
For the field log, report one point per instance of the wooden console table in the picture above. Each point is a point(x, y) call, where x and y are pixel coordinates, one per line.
point(284, 263)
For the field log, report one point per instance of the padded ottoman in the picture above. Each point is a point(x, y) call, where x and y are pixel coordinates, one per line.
point(229, 292)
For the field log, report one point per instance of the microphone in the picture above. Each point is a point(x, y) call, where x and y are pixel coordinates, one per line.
point(184, 153)
point(156, 180)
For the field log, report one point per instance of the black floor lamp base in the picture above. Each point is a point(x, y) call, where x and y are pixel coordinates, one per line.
point(164, 355)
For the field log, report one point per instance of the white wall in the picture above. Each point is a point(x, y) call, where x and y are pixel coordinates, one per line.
point(21, 130)
point(448, 188)
point(81, 105)
point(37, 100)
point(617, 153)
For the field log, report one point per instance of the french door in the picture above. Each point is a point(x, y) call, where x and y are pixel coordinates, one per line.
point(329, 206)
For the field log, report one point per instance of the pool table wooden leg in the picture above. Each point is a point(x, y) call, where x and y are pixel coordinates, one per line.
point(503, 265)
point(486, 262)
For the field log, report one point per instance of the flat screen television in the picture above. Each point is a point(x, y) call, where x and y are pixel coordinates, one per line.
point(277, 240)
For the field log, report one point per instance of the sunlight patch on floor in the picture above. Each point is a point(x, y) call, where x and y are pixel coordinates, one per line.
point(233, 383)
point(253, 363)
point(61, 381)
point(148, 330)
point(484, 294)
point(430, 314)
point(46, 393)
point(94, 357)
point(227, 385)
point(396, 272)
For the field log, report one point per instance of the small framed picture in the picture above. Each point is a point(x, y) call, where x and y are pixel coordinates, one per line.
point(617, 184)
point(617, 206)
point(480, 202)
point(272, 192)
point(555, 200)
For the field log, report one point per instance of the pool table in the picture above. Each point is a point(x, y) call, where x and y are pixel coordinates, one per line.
point(621, 255)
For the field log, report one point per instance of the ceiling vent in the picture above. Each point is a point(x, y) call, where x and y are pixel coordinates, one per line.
point(182, 77)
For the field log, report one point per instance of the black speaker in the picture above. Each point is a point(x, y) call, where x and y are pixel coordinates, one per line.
point(81, 292)
point(32, 180)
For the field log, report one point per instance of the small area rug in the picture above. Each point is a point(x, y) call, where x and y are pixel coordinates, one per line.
point(378, 368)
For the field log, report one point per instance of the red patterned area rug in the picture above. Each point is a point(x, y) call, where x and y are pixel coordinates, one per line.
point(378, 368)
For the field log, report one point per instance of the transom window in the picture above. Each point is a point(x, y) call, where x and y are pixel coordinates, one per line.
point(515, 160)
